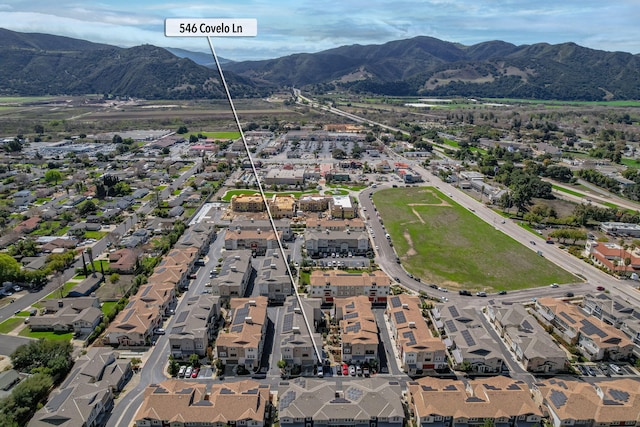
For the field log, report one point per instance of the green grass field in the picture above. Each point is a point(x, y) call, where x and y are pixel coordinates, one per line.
point(26, 332)
point(443, 243)
point(221, 135)
point(10, 324)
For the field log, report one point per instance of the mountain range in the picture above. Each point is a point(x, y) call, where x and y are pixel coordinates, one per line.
point(39, 64)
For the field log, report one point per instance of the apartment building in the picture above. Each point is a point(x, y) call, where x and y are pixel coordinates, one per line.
point(342, 207)
point(181, 403)
point(469, 344)
point(570, 401)
point(272, 279)
point(498, 401)
point(247, 203)
point(358, 328)
point(530, 343)
point(595, 339)
point(257, 241)
point(234, 275)
point(614, 311)
point(333, 284)
point(194, 326)
point(419, 351)
point(363, 402)
point(296, 345)
point(242, 344)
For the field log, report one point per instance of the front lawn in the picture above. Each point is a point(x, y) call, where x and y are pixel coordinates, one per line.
point(26, 332)
point(10, 324)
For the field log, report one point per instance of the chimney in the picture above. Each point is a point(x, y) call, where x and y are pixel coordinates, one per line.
point(273, 266)
point(233, 268)
point(405, 306)
point(297, 310)
point(412, 325)
point(248, 320)
point(295, 329)
point(252, 303)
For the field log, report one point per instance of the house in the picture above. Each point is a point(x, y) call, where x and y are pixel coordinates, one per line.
point(67, 314)
point(8, 379)
point(498, 401)
point(419, 351)
point(243, 343)
point(87, 286)
point(296, 345)
point(358, 330)
point(194, 326)
point(532, 345)
point(182, 403)
point(469, 344)
point(595, 339)
point(333, 284)
point(570, 401)
point(197, 236)
point(123, 261)
point(364, 402)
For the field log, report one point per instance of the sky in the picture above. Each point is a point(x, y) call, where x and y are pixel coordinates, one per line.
point(305, 26)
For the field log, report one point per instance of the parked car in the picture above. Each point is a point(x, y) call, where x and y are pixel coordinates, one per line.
point(160, 331)
point(358, 371)
point(352, 370)
point(182, 371)
point(195, 373)
point(569, 294)
point(320, 371)
point(554, 285)
point(502, 292)
point(188, 372)
point(464, 292)
point(345, 369)
point(481, 294)
point(365, 372)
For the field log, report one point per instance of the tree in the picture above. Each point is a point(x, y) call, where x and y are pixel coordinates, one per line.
point(114, 278)
point(194, 360)
point(46, 356)
point(9, 268)
point(53, 176)
point(87, 207)
point(173, 367)
point(182, 130)
point(135, 363)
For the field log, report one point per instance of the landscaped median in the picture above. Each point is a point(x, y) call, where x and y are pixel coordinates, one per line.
point(442, 242)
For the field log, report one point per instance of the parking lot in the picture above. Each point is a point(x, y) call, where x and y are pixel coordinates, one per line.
point(343, 262)
point(604, 369)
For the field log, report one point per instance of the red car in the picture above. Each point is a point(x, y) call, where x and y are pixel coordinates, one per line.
point(195, 372)
point(345, 369)
point(600, 288)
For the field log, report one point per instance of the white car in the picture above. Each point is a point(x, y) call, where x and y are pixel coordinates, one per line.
point(554, 285)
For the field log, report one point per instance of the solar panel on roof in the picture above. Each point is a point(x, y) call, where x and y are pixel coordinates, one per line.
point(410, 336)
point(237, 328)
point(182, 317)
point(468, 338)
point(352, 315)
point(513, 386)
point(619, 395)
point(287, 323)
point(353, 328)
point(451, 326)
point(241, 313)
point(287, 398)
point(567, 317)
point(128, 315)
point(146, 291)
point(399, 317)
point(354, 394)
point(395, 302)
point(589, 328)
point(526, 324)
point(454, 311)
point(558, 398)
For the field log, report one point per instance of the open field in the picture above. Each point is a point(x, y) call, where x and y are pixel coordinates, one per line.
point(221, 135)
point(443, 243)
